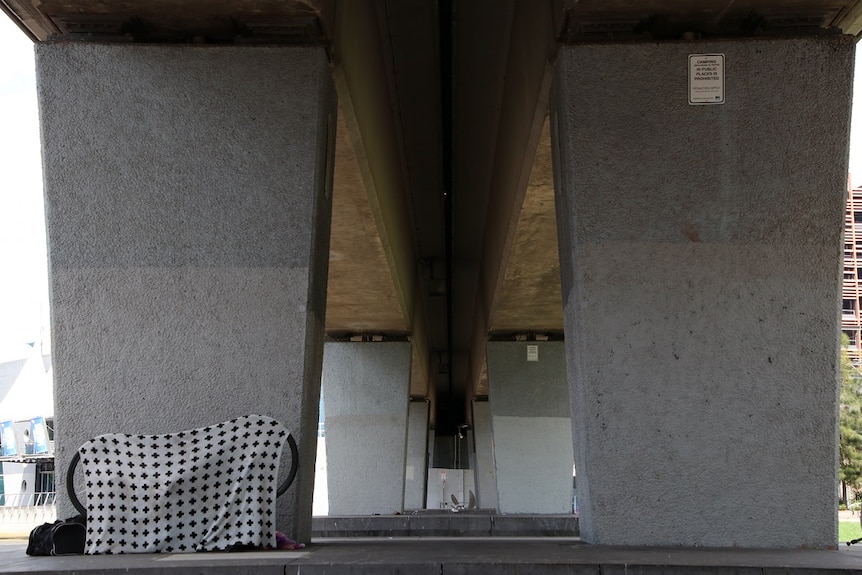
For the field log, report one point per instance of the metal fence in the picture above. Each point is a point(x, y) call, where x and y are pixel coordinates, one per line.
point(28, 499)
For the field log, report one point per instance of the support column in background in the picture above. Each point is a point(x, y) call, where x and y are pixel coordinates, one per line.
point(188, 233)
point(365, 389)
point(531, 426)
point(485, 472)
point(415, 471)
point(700, 255)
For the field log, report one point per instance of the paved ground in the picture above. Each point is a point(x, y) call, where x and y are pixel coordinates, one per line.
point(462, 556)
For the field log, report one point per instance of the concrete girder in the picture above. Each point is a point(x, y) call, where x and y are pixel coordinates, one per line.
point(530, 301)
point(370, 114)
point(526, 82)
point(169, 21)
point(622, 20)
point(357, 301)
point(254, 20)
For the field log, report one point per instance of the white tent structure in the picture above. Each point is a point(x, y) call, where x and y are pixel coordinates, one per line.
point(31, 394)
point(26, 408)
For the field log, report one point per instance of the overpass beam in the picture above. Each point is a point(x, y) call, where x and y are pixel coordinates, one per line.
point(700, 253)
point(524, 92)
point(188, 230)
point(363, 83)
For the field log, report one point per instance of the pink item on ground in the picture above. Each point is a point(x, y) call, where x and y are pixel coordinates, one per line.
point(282, 541)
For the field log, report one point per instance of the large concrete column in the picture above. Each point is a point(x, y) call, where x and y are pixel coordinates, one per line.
point(188, 231)
point(700, 259)
point(531, 425)
point(365, 387)
point(483, 466)
point(415, 465)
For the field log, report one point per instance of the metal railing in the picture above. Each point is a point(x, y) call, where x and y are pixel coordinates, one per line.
point(8, 500)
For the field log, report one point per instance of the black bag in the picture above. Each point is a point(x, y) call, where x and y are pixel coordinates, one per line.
point(63, 537)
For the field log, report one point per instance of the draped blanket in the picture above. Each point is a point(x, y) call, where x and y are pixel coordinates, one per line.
point(206, 489)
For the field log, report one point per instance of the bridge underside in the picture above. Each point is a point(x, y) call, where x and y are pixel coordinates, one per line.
point(496, 171)
point(443, 216)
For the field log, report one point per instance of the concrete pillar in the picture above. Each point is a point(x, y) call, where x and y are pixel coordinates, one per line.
point(469, 471)
point(532, 427)
point(188, 230)
point(415, 470)
point(365, 387)
point(485, 473)
point(432, 447)
point(700, 261)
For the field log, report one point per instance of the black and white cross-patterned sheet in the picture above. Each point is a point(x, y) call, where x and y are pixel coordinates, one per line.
point(205, 489)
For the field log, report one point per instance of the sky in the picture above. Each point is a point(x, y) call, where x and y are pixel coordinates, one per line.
point(23, 262)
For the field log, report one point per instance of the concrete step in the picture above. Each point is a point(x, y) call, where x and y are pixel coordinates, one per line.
point(441, 556)
point(445, 524)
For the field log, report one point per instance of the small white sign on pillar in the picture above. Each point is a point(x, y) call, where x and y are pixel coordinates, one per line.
point(705, 79)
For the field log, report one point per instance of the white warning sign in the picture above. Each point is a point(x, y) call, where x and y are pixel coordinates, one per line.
point(705, 79)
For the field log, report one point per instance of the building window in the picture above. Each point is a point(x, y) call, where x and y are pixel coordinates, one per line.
point(45, 492)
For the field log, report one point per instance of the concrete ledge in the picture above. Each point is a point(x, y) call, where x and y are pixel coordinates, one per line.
point(343, 526)
point(445, 525)
point(535, 526)
point(450, 556)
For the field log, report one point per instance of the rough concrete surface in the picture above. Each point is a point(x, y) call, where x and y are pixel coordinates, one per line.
point(701, 252)
point(416, 458)
point(532, 431)
point(365, 388)
point(483, 463)
point(188, 233)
